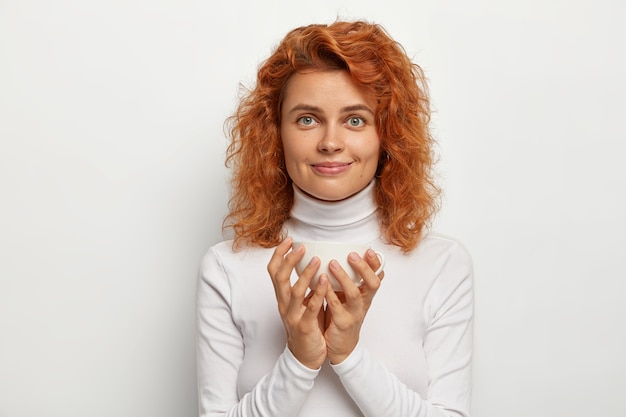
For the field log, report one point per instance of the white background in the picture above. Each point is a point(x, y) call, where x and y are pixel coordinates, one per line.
point(112, 186)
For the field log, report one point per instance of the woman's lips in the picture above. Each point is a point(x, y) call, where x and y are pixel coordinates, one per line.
point(331, 168)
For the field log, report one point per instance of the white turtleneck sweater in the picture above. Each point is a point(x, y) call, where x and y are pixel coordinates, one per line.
point(414, 353)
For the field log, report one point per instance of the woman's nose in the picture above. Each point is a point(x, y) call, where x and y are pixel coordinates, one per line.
point(331, 141)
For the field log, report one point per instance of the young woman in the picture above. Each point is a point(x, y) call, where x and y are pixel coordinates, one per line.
point(333, 144)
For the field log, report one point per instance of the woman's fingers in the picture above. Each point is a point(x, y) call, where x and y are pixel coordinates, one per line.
point(302, 314)
point(365, 268)
point(280, 268)
point(347, 285)
point(280, 273)
point(277, 259)
point(335, 303)
point(292, 298)
point(374, 263)
point(299, 289)
point(315, 300)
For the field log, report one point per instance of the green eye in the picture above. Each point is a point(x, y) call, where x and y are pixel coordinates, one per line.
point(356, 122)
point(306, 120)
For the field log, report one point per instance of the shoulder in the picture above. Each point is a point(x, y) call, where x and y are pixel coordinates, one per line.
point(225, 257)
point(227, 274)
point(437, 260)
point(449, 262)
point(438, 245)
point(452, 286)
point(215, 254)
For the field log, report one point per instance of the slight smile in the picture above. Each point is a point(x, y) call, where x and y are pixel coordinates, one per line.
point(331, 168)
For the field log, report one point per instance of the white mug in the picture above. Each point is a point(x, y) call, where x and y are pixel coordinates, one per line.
point(327, 251)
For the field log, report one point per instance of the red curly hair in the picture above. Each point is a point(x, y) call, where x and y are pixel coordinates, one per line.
point(405, 192)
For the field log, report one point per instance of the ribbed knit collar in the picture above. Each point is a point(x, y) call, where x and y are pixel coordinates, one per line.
point(351, 220)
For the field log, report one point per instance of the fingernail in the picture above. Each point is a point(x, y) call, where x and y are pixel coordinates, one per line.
point(353, 257)
point(371, 254)
point(334, 264)
point(314, 261)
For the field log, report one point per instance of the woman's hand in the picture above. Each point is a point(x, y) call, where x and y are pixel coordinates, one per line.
point(346, 311)
point(302, 315)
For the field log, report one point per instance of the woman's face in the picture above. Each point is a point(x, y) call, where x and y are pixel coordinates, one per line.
point(329, 136)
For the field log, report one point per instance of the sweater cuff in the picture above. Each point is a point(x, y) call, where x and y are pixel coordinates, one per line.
point(351, 362)
point(296, 368)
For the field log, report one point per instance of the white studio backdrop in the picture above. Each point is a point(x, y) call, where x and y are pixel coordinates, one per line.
point(112, 187)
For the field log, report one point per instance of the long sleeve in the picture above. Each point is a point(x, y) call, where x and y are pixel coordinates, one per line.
point(414, 354)
point(220, 354)
point(447, 348)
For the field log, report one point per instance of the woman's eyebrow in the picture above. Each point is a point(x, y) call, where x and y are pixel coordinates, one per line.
point(308, 107)
point(357, 107)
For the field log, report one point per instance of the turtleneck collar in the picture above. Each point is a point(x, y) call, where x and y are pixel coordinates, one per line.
point(351, 220)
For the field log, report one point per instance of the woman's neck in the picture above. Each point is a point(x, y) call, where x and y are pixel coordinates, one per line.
point(353, 219)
